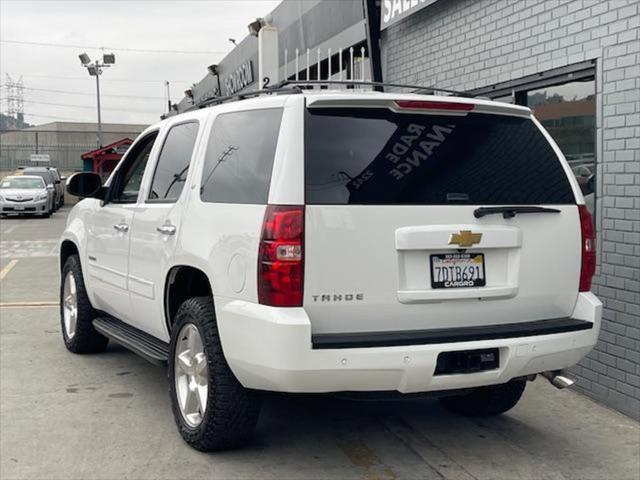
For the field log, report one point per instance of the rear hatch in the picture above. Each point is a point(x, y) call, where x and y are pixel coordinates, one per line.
point(394, 238)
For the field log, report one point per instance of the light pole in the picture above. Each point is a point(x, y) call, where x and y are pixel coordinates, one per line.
point(95, 69)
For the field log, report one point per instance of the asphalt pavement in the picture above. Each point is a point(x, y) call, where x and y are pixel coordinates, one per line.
point(108, 416)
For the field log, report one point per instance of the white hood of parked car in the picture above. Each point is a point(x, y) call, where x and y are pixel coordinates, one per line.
point(22, 192)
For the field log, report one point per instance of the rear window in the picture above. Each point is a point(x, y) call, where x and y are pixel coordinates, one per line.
point(239, 157)
point(376, 156)
point(46, 176)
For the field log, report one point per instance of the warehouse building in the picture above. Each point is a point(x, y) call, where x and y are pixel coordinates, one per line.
point(576, 63)
point(62, 143)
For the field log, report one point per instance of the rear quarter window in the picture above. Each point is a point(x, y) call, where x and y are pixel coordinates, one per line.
point(239, 157)
point(377, 156)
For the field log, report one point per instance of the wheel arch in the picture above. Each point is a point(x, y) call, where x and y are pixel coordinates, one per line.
point(183, 282)
point(67, 248)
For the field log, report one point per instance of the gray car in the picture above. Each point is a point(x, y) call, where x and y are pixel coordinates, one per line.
point(52, 179)
point(25, 194)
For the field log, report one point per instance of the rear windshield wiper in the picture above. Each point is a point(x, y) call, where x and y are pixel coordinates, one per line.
point(510, 212)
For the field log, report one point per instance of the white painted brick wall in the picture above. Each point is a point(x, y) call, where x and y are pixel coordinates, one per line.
point(465, 44)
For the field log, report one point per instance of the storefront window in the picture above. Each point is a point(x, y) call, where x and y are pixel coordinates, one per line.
point(568, 112)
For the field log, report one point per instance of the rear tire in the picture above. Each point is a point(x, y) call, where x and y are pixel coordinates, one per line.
point(230, 411)
point(486, 401)
point(76, 312)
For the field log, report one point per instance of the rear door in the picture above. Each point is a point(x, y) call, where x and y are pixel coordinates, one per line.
point(393, 239)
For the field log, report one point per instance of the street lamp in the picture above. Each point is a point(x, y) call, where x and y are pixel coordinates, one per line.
point(95, 69)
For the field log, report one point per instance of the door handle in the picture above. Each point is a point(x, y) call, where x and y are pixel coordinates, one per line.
point(121, 227)
point(167, 229)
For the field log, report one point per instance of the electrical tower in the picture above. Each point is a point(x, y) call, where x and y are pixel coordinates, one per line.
point(15, 98)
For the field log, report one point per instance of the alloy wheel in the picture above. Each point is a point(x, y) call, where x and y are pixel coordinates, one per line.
point(70, 305)
point(191, 375)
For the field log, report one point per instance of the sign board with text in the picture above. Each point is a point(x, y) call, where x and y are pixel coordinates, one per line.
point(392, 11)
point(40, 158)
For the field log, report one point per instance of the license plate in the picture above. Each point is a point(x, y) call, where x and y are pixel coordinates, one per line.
point(457, 270)
point(18, 207)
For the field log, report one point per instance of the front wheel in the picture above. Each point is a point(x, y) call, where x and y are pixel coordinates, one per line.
point(486, 401)
point(76, 312)
point(212, 409)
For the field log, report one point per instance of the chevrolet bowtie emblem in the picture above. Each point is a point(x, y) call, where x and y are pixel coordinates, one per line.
point(466, 238)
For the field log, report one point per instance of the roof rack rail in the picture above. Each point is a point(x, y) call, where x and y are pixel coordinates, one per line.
point(241, 96)
point(290, 87)
point(416, 88)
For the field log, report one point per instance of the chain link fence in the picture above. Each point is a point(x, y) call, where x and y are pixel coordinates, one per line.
point(64, 148)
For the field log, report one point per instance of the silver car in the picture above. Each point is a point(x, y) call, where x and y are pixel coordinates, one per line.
point(25, 194)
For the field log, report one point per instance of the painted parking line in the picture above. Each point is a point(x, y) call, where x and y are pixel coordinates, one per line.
point(8, 267)
point(28, 248)
point(29, 304)
point(8, 230)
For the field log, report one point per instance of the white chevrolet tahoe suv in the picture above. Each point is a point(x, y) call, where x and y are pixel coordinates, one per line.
point(334, 241)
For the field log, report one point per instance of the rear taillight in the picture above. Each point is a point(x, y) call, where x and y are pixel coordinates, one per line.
point(588, 268)
point(435, 105)
point(280, 256)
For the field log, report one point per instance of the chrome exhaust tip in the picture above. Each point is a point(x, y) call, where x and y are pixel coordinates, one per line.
point(558, 378)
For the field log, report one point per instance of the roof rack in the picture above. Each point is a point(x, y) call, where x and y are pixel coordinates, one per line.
point(297, 86)
point(241, 96)
point(416, 88)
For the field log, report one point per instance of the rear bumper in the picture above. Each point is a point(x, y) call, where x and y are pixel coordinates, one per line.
point(271, 349)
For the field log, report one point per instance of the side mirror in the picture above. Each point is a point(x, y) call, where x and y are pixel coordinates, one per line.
point(62, 179)
point(85, 185)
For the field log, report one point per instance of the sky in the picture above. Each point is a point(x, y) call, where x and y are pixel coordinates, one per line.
point(57, 87)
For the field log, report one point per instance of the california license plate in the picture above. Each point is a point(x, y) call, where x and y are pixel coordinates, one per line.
point(457, 270)
point(19, 207)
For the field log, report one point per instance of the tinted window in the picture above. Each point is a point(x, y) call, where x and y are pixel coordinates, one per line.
point(375, 156)
point(46, 176)
point(173, 163)
point(240, 157)
point(127, 182)
point(22, 182)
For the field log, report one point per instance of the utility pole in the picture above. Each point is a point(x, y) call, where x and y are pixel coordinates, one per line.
point(15, 98)
point(99, 113)
point(95, 69)
point(166, 83)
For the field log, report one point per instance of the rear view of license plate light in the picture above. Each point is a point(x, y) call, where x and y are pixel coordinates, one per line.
point(467, 361)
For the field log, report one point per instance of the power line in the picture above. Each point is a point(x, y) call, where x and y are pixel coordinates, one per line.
point(137, 97)
point(107, 80)
point(134, 50)
point(86, 106)
point(56, 117)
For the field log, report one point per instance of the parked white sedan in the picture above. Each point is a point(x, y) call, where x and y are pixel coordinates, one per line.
point(25, 194)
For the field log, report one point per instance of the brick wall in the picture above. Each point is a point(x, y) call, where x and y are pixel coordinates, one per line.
point(465, 44)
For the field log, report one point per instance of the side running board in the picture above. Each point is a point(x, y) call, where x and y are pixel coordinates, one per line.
point(147, 346)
